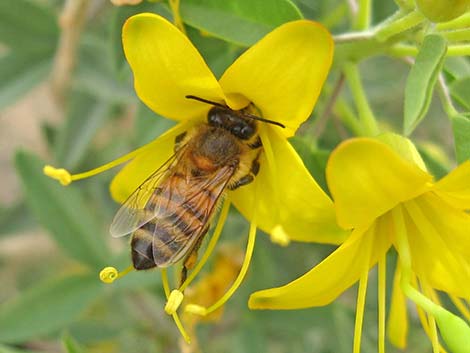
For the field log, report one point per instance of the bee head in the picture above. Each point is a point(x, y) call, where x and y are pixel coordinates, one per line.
point(232, 121)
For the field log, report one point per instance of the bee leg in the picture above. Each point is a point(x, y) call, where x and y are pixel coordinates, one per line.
point(190, 260)
point(256, 144)
point(178, 140)
point(247, 178)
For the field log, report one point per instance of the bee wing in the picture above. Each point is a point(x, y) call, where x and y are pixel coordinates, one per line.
point(134, 212)
point(198, 206)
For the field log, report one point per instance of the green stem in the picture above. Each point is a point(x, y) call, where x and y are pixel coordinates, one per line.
point(457, 35)
point(348, 117)
point(366, 116)
point(446, 100)
point(399, 25)
point(362, 20)
point(458, 50)
point(400, 50)
point(460, 22)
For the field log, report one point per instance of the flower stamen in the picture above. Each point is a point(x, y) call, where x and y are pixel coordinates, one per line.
point(176, 319)
point(174, 301)
point(110, 274)
point(199, 310)
point(61, 174)
point(279, 236)
point(382, 270)
point(361, 300)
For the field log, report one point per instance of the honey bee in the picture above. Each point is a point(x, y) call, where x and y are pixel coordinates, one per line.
point(170, 212)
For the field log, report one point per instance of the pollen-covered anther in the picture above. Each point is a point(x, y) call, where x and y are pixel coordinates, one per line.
point(195, 309)
point(108, 275)
point(279, 236)
point(61, 174)
point(174, 301)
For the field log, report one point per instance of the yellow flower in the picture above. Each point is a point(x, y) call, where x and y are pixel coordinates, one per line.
point(280, 77)
point(390, 200)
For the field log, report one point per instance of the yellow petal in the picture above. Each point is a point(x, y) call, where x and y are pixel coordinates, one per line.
point(142, 166)
point(331, 277)
point(283, 73)
point(455, 187)
point(288, 196)
point(439, 244)
point(398, 318)
point(367, 178)
point(167, 67)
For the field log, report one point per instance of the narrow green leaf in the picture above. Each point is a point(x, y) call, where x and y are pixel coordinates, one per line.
point(47, 307)
point(15, 218)
point(461, 128)
point(27, 25)
point(70, 345)
point(313, 158)
point(21, 71)
point(84, 117)
point(421, 80)
point(63, 212)
point(242, 22)
point(460, 91)
point(457, 67)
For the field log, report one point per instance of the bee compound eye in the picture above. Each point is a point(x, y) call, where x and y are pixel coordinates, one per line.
point(215, 119)
point(247, 131)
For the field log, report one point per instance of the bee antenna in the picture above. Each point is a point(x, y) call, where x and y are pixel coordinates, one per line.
point(251, 116)
point(205, 101)
point(254, 117)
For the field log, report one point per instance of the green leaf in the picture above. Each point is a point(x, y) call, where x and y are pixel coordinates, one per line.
point(21, 71)
point(457, 67)
point(421, 80)
point(313, 158)
point(63, 212)
point(461, 128)
point(460, 91)
point(70, 345)
point(148, 125)
point(15, 218)
point(47, 307)
point(242, 22)
point(84, 117)
point(27, 25)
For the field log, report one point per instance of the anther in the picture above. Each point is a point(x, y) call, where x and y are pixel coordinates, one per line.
point(279, 236)
point(61, 174)
point(195, 309)
point(108, 274)
point(174, 301)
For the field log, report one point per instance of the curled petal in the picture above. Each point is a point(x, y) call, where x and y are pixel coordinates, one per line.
point(167, 67)
point(285, 196)
point(283, 73)
point(331, 277)
point(153, 156)
point(367, 178)
point(439, 244)
point(455, 187)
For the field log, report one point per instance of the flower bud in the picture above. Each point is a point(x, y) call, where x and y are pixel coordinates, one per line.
point(443, 10)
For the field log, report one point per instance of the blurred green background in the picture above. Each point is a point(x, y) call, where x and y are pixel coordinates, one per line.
point(66, 99)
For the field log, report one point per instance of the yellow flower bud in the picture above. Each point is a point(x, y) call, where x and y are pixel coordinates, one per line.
point(443, 10)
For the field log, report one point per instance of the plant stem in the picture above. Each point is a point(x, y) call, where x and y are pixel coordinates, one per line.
point(446, 100)
point(457, 35)
point(362, 20)
point(71, 21)
point(399, 25)
point(366, 116)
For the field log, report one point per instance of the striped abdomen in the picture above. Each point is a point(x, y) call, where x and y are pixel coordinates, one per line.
point(183, 209)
